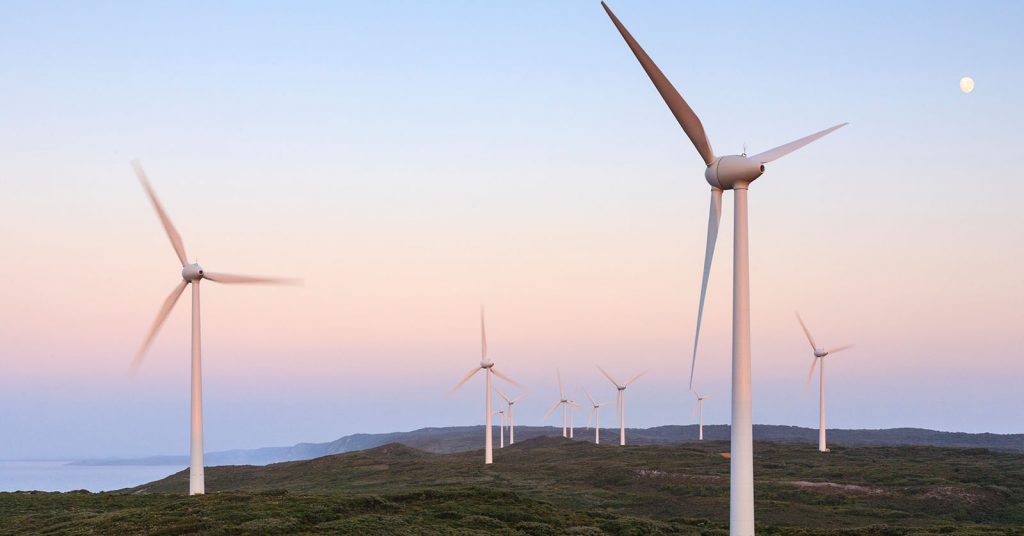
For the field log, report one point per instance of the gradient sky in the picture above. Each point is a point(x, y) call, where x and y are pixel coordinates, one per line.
point(411, 161)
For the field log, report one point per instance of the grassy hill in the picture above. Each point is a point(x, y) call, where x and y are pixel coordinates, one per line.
point(465, 438)
point(555, 486)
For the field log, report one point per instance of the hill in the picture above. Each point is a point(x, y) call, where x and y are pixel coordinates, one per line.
point(464, 438)
point(555, 486)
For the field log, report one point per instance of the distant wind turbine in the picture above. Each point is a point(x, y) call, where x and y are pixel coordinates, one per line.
point(595, 412)
point(501, 426)
point(698, 407)
point(509, 402)
point(731, 172)
point(191, 274)
point(488, 367)
point(563, 401)
point(573, 406)
point(620, 402)
point(819, 355)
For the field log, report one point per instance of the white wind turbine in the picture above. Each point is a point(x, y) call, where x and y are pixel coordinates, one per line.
point(620, 402)
point(733, 172)
point(819, 355)
point(191, 274)
point(509, 402)
point(501, 426)
point(488, 367)
point(563, 401)
point(595, 412)
point(573, 406)
point(698, 407)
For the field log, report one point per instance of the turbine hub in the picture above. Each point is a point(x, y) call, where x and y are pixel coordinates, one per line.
point(484, 364)
point(731, 171)
point(192, 272)
point(818, 352)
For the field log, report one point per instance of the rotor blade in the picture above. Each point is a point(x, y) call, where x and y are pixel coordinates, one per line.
point(552, 408)
point(232, 279)
point(695, 403)
point(506, 378)
point(810, 375)
point(172, 233)
point(618, 403)
point(684, 114)
point(561, 391)
point(502, 395)
point(807, 332)
point(840, 349)
point(517, 399)
point(463, 380)
point(783, 150)
point(714, 219)
point(634, 378)
point(591, 418)
point(609, 376)
point(161, 316)
point(483, 335)
point(592, 401)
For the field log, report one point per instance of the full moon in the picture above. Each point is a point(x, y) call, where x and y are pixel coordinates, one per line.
point(967, 84)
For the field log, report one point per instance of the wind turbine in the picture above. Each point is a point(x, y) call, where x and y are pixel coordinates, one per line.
point(563, 401)
point(191, 274)
point(819, 355)
point(733, 172)
point(596, 412)
point(698, 406)
point(501, 426)
point(487, 366)
point(509, 402)
point(573, 406)
point(620, 402)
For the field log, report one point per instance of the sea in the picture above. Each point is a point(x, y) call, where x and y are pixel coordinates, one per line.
point(61, 476)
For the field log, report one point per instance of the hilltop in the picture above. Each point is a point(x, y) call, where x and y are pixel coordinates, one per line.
point(466, 438)
point(549, 485)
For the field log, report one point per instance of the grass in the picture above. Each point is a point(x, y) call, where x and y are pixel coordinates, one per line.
point(555, 486)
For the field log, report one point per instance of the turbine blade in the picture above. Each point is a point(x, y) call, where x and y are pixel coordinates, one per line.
point(552, 408)
point(810, 375)
point(161, 316)
point(483, 335)
point(634, 378)
point(695, 404)
point(172, 233)
point(714, 219)
point(684, 114)
point(591, 418)
point(502, 395)
point(807, 332)
point(592, 401)
point(783, 150)
point(463, 380)
point(561, 391)
point(233, 279)
point(506, 378)
point(609, 376)
point(840, 349)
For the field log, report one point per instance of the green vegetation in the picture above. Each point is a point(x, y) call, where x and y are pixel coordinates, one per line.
point(554, 486)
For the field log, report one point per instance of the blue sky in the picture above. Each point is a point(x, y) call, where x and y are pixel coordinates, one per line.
point(413, 159)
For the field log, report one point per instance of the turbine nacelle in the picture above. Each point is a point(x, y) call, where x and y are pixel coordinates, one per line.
point(192, 272)
point(486, 364)
point(820, 352)
point(727, 172)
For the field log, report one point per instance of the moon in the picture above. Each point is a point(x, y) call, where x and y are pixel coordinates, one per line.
point(967, 84)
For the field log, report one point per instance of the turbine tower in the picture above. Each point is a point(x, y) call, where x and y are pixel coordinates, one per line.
point(191, 274)
point(819, 355)
point(563, 401)
point(595, 412)
point(573, 406)
point(698, 407)
point(487, 366)
point(511, 418)
point(620, 402)
point(733, 172)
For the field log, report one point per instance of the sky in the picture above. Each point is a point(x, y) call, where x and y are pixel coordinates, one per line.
point(412, 160)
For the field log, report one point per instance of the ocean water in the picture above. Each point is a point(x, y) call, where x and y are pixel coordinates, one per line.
point(59, 476)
